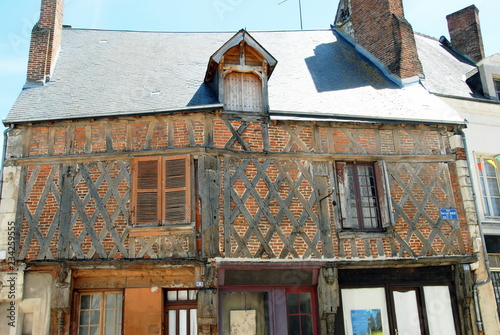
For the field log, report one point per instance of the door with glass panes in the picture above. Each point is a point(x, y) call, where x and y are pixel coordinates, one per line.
point(268, 311)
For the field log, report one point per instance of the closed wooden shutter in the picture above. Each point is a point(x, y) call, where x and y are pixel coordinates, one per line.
point(147, 185)
point(177, 198)
point(162, 190)
point(243, 92)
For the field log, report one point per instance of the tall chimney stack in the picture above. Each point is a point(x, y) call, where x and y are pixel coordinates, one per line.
point(45, 41)
point(379, 26)
point(465, 32)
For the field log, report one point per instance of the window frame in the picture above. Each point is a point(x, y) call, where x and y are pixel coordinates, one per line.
point(162, 190)
point(177, 305)
point(485, 193)
point(102, 309)
point(382, 196)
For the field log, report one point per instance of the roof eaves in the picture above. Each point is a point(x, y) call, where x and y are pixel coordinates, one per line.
point(282, 115)
point(200, 108)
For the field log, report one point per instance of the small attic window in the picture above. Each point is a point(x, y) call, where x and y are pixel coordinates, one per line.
point(239, 72)
point(497, 88)
point(243, 92)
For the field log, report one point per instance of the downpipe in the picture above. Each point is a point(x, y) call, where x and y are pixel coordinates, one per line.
point(476, 285)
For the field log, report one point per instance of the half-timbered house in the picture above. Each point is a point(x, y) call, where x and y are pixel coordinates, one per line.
point(299, 182)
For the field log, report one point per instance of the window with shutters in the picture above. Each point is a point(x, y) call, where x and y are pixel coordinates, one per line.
point(161, 190)
point(363, 195)
point(243, 92)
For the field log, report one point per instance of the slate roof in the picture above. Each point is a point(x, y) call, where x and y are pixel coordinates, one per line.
point(444, 69)
point(111, 73)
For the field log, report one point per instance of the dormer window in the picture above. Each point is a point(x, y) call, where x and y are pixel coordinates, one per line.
point(239, 71)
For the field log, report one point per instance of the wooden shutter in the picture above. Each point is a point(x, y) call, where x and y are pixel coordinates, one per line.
point(383, 192)
point(344, 196)
point(146, 188)
point(176, 202)
point(243, 92)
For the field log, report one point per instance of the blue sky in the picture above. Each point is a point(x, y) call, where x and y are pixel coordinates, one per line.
point(17, 18)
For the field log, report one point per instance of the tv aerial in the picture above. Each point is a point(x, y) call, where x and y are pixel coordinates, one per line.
point(300, 12)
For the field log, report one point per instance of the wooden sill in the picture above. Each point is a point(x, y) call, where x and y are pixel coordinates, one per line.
point(363, 233)
point(160, 231)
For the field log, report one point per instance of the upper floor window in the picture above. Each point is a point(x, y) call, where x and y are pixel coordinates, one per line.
point(363, 195)
point(161, 190)
point(489, 172)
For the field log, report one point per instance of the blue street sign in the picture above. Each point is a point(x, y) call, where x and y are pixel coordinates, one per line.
point(448, 213)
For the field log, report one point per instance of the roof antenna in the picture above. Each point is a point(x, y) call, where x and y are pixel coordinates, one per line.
point(300, 12)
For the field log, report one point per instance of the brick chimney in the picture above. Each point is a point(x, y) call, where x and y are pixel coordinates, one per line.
point(379, 27)
point(465, 32)
point(45, 41)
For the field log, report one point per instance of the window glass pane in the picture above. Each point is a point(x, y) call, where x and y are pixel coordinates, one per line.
point(95, 317)
point(84, 318)
point(182, 322)
point(172, 295)
point(182, 295)
point(94, 330)
point(83, 331)
point(306, 325)
point(293, 324)
point(112, 300)
point(119, 298)
point(193, 322)
point(305, 302)
point(110, 330)
point(172, 325)
point(490, 167)
point(96, 301)
point(85, 302)
point(496, 206)
point(110, 317)
point(493, 187)
point(193, 294)
point(292, 303)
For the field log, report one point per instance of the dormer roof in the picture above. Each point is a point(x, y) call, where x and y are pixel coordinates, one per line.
point(231, 50)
